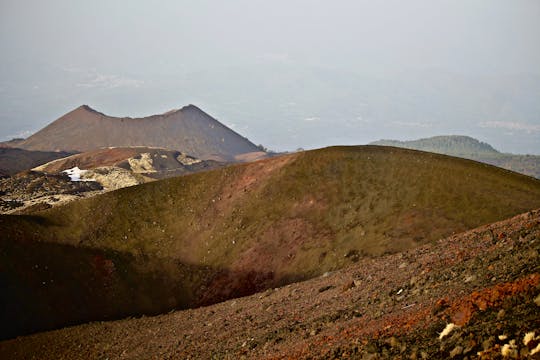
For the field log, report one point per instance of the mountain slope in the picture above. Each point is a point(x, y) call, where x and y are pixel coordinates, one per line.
point(470, 148)
point(396, 306)
point(153, 162)
point(13, 160)
point(189, 130)
point(112, 168)
point(272, 222)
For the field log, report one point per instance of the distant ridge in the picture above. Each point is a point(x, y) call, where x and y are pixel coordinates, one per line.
point(189, 130)
point(456, 145)
point(471, 148)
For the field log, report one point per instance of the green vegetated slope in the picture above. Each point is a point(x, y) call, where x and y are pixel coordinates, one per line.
point(251, 226)
point(524, 164)
point(455, 145)
point(470, 148)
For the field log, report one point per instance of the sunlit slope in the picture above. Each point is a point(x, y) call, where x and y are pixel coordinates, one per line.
point(207, 237)
point(297, 215)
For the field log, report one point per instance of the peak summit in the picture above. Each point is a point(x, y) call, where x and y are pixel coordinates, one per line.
point(190, 107)
point(89, 109)
point(190, 130)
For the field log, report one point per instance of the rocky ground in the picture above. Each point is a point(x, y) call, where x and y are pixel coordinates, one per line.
point(472, 295)
point(31, 191)
point(154, 162)
point(26, 191)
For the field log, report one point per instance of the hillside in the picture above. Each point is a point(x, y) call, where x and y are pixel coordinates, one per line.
point(189, 130)
point(246, 228)
point(485, 281)
point(111, 168)
point(152, 162)
point(14, 160)
point(470, 148)
point(454, 145)
point(13, 143)
point(31, 191)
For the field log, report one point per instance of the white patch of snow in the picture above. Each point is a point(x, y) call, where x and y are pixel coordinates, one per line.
point(76, 174)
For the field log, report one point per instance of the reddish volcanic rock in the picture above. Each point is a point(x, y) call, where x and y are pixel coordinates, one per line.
point(397, 308)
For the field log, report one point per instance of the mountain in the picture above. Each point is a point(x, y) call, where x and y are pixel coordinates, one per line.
point(483, 282)
point(14, 160)
point(189, 130)
point(470, 148)
point(13, 143)
point(207, 237)
point(345, 106)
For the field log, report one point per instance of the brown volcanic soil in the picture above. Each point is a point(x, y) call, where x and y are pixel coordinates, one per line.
point(13, 143)
point(14, 160)
point(189, 130)
point(255, 226)
point(486, 281)
point(91, 159)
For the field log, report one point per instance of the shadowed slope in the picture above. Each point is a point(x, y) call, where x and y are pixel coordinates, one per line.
point(189, 130)
point(288, 218)
point(485, 280)
point(14, 160)
point(46, 286)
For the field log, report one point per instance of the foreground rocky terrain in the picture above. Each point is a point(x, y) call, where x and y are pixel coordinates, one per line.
point(474, 295)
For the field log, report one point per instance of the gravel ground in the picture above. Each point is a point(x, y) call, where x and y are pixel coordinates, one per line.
point(482, 286)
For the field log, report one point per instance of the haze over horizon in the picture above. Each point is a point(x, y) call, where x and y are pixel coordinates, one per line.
point(285, 74)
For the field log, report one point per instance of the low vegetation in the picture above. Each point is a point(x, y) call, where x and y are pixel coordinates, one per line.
point(470, 148)
point(289, 218)
point(474, 295)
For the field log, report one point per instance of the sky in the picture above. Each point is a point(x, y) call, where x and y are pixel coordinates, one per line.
point(286, 74)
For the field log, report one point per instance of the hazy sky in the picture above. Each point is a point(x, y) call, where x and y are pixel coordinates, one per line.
point(307, 69)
